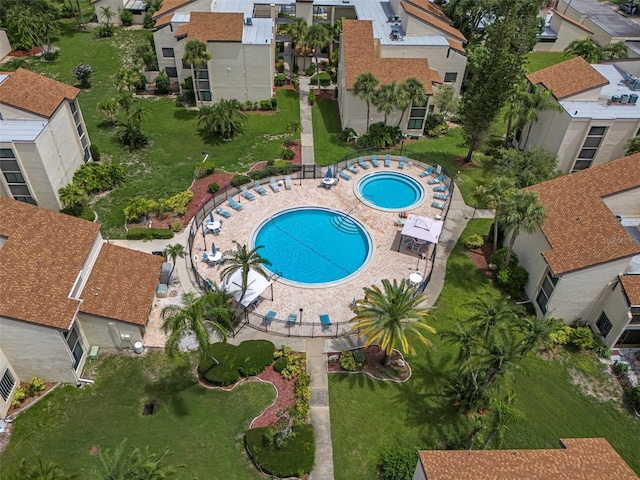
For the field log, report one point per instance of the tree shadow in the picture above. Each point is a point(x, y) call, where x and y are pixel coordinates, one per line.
point(184, 114)
point(169, 384)
point(360, 380)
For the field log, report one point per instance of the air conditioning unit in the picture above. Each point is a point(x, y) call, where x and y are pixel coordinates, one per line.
point(248, 21)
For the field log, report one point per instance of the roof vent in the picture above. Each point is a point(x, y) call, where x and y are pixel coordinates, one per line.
point(248, 21)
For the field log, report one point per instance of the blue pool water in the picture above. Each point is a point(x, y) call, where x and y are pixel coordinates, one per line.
point(313, 245)
point(390, 191)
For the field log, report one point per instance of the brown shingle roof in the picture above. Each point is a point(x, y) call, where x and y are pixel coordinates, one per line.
point(569, 78)
point(579, 226)
point(170, 5)
point(570, 20)
point(433, 21)
point(359, 57)
point(182, 30)
point(163, 22)
point(122, 285)
point(631, 285)
point(216, 27)
point(456, 45)
point(582, 458)
point(40, 261)
point(432, 8)
point(35, 93)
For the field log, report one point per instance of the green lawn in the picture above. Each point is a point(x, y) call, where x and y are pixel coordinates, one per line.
point(368, 417)
point(328, 148)
point(202, 428)
point(539, 60)
point(166, 165)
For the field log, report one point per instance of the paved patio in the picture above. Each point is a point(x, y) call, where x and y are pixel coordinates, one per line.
point(386, 263)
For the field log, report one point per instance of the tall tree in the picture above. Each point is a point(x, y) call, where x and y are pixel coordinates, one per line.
point(491, 314)
point(318, 37)
point(365, 87)
point(446, 101)
point(494, 194)
point(393, 315)
point(244, 260)
point(197, 55)
point(387, 98)
point(172, 252)
point(468, 16)
point(526, 167)
point(414, 93)
point(496, 65)
point(522, 212)
point(632, 146)
point(297, 30)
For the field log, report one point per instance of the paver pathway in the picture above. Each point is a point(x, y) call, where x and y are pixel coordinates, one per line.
point(306, 137)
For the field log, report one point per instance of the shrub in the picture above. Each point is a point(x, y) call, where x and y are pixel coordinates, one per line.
point(621, 369)
point(358, 356)
point(292, 459)
point(295, 69)
point(561, 336)
point(176, 227)
point(398, 464)
point(513, 279)
point(582, 337)
point(473, 241)
point(204, 169)
point(348, 134)
point(285, 168)
point(280, 79)
point(348, 362)
point(281, 364)
point(312, 97)
point(439, 130)
point(498, 257)
point(287, 154)
point(380, 135)
point(213, 188)
point(238, 180)
point(98, 177)
point(187, 96)
point(143, 233)
point(36, 385)
point(83, 73)
point(163, 83)
point(601, 350)
point(311, 70)
point(178, 203)
point(249, 358)
point(274, 103)
point(126, 17)
point(633, 396)
point(433, 123)
point(302, 392)
point(256, 355)
point(18, 396)
point(148, 22)
point(325, 79)
point(95, 152)
point(104, 31)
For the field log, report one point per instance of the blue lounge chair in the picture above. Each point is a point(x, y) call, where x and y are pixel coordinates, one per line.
point(440, 196)
point(402, 162)
point(274, 185)
point(362, 164)
point(341, 174)
point(292, 319)
point(247, 194)
point(223, 213)
point(287, 182)
point(426, 172)
point(351, 168)
point(438, 205)
point(433, 181)
point(325, 321)
point(387, 160)
point(235, 205)
point(268, 318)
point(259, 188)
point(441, 188)
point(374, 161)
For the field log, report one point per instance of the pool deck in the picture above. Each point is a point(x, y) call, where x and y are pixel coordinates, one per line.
point(387, 262)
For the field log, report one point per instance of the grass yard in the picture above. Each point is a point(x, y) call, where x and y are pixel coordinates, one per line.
point(202, 428)
point(328, 148)
point(539, 60)
point(166, 165)
point(368, 417)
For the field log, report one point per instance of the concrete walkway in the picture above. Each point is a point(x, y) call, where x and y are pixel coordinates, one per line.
point(306, 137)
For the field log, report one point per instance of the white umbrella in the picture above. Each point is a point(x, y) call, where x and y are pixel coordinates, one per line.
point(256, 284)
point(422, 228)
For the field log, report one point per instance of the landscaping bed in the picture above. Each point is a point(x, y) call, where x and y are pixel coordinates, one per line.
point(397, 369)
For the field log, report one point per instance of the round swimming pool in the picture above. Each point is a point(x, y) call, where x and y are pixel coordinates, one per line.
point(314, 246)
point(392, 191)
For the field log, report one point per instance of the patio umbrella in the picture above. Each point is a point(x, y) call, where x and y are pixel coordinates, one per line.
point(329, 173)
point(256, 284)
point(423, 228)
point(213, 248)
point(211, 217)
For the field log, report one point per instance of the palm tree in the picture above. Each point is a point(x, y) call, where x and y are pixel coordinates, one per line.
point(587, 49)
point(297, 30)
point(522, 211)
point(73, 197)
point(501, 413)
point(365, 87)
point(107, 14)
point(494, 194)
point(173, 252)
point(108, 107)
point(414, 94)
point(224, 119)
point(39, 470)
point(137, 464)
point(615, 51)
point(390, 316)
point(386, 98)
point(194, 314)
point(197, 55)
point(244, 260)
point(318, 37)
point(491, 314)
point(533, 102)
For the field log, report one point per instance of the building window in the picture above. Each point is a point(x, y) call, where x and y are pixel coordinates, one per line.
point(81, 133)
point(6, 384)
point(14, 177)
point(203, 85)
point(546, 290)
point(205, 95)
point(203, 74)
point(604, 325)
point(75, 345)
point(450, 77)
point(168, 53)
point(415, 124)
point(589, 148)
point(172, 72)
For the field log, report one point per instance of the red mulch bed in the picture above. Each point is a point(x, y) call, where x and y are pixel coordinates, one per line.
point(286, 397)
point(480, 257)
point(31, 53)
point(200, 189)
point(373, 357)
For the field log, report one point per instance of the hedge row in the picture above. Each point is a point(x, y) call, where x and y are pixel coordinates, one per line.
point(296, 456)
point(249, 358)
point(143, 233)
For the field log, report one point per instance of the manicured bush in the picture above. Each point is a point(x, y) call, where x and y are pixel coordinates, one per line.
point(238, 180)
point(325, 79)
point(633, 396)
point(280, 79)
point(178, 203)
point(104, 31)
point(293, 458)
point(265, 104)
point(163, 83)
point(348, 134)
point(95, 153)
point(398, 464)
point(561, 336)
point(213, 188)
point(204, 169)
point(312, 97)
point(98, 177)
point(311, 70)
point(473, 241)
point(255, 355)
point(18, 396)
point(36, 385)
point(280, 364)
point(348, 362)
point(435, 125)
point(176, 227)
point(621, 369)
point(126, 17)
point(83, 73)
point(148, 22)
point(143, 233)
point(274, 103)
point(249, 358)
point(582, 337)
point(273, 170)
point(287, 154)
point(358, 356)
point(380, 135)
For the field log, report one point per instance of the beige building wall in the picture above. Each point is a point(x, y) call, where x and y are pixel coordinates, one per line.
point(547, 133)
point(305, 10)
point(4, 365)
point(626, 204)
point(567, 32)
point(528, 248)
point(36, 350)
point(114, 5)
point(419, 473)
point(5, 46)
point(613, 302)
point(164, 38)
point(12, 113)
point(97, 331)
